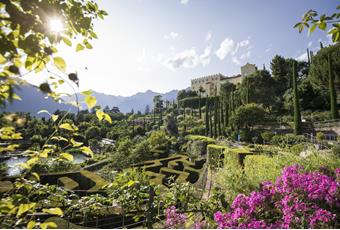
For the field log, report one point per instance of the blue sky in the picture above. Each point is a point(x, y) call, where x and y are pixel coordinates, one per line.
point(162, 44)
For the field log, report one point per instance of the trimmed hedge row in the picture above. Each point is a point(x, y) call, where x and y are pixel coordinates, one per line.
point(175, 168)
point(87, 181)
point(217, 154)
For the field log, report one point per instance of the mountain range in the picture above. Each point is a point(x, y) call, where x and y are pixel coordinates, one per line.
point(33, 100)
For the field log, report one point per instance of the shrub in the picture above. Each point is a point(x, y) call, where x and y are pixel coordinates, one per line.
point(288, 140)
point(320, 136)
point(216, 155)
point(296, 200)
point(260, 168)
point(336, 150)
point(267, 136)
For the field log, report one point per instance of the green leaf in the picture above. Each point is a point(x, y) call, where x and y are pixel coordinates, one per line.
point(322, 25)
point(31, 224)
point(2, 59)
point(16, 97)
point(67, 156)
point(100, 115)
point(67, 41)
point(23, 208)
point(54, 117)
point(75, 143)
point(36, 176)
point(130, 183)
point(47, 225)
point(90, 101)
point(87, 151)
point(312, 28)
point(53, 211)
point(60, 63)
point(87, 93)
point(107, 118)
point(67, 126)
point(79, 47)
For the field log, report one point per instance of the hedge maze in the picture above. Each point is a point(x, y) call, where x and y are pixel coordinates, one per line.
point(82, 181)
point(175, 168)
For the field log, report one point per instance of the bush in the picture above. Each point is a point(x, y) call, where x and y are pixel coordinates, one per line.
point(260, 168)
point(320, 136)
point(336, 150)
point(216, 155)
point(267, 136)
point(296, 200)
point(288, 140)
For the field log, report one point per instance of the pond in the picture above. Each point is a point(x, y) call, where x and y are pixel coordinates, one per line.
point(13, 162)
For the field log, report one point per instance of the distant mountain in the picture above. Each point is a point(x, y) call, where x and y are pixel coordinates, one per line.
point(136, 102)
point(33, 101)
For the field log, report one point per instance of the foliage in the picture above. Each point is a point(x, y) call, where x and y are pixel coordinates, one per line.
point(247, 116)
point(287, 140)
point(28, 196)
point(319, 72)
point(260, 168)
point(310, 20)
point(295, 200)
point(27, 42)
point(171, 126)
point(267, 136)
point(129, 190)
point(320, 136)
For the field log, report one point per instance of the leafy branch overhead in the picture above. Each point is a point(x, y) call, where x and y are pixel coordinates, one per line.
point(28, 43)
point(311, 21)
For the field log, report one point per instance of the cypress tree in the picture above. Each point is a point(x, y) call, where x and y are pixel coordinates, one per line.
point(184, 126)
point(332, 91)
point(226, 111)
point(207, 116)
point(215, 118)
point(297, 114)
point(308, 55)
point(211, 123)
point(199, 106)
point(218, 115)
point(247, 91)
point(222, 114)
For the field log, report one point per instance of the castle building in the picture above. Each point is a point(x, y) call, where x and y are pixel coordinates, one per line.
point(211, 85)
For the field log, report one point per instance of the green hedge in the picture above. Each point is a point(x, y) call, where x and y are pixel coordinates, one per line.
point(179, 166)
point(209, 140)
point(68, 183)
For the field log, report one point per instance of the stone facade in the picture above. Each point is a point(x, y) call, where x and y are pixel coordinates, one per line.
point(211, 84)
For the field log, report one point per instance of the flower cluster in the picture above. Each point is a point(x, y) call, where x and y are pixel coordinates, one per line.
point(296, 200)
point(174, 219)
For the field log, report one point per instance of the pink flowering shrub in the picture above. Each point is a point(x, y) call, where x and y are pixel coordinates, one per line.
point(174, 219)
point(295, 200)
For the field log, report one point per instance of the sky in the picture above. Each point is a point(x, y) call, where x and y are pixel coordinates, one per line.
point(162, 44)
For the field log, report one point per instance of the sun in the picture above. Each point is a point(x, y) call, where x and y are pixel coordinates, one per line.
point(56, 25)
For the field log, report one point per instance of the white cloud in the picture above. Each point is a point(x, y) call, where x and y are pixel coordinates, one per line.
point(244, 43)
point(173, 35)
point(188, 58)
point(226, 47)
point(184, 2)
point(245, 55)
point(302, 57)
point(208, 36)
point(236, 61)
